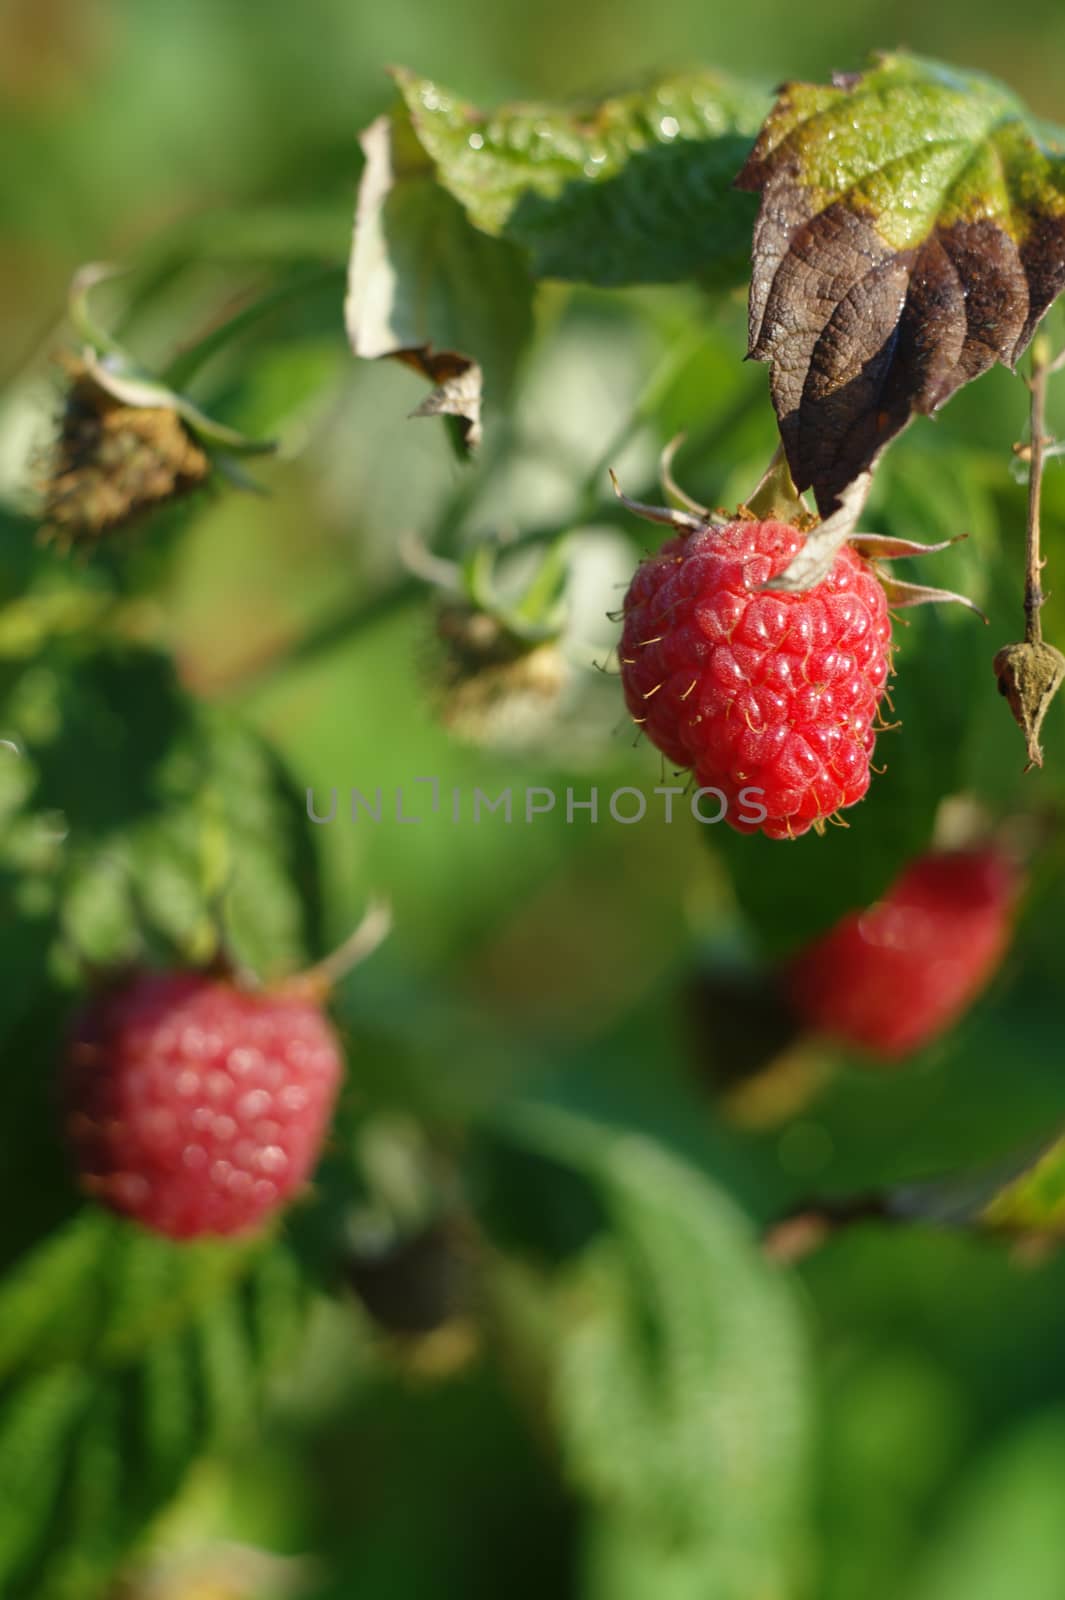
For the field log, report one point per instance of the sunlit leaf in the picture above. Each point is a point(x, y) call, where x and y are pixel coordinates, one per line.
point(634, 189)
point(911, 233)
point(675, 1362)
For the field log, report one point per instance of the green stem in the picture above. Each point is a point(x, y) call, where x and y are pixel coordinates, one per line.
point(329, 633)
point(82, 320)
point(542, 595)
point(188, 362)
point(654, 391)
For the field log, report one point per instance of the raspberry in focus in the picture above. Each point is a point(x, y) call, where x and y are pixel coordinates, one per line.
point(195, 1106)
point(755, 689)
point(891, 979)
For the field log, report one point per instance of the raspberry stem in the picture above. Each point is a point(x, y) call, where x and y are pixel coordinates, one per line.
point(670, 368)
point(373, 928)
point(187, 363)
point(807, 1227)
point(1042, 366)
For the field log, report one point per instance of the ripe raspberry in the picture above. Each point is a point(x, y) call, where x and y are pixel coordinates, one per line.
point(891, 979)
point(755, 689)
point(196, 1106)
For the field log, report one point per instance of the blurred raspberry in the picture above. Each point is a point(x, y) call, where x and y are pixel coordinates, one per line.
point(196, 1106)
point(893, 978)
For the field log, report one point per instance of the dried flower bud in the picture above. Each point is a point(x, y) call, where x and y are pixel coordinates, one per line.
point(495, 687)
point(1029, 675)
point(113, 462)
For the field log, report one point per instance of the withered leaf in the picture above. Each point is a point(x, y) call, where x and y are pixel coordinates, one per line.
point(457, 382)
point(425, 288)
point(911, 233)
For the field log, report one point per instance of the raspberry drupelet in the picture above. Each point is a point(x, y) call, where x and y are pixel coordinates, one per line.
point(755, 689)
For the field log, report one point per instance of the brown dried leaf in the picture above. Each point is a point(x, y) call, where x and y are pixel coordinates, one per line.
point(911, 233)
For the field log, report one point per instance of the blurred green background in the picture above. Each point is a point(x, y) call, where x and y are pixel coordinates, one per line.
point(213, 145)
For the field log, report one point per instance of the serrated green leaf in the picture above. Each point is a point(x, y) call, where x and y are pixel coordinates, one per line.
point(101, 1414)
point(911, 233)
point(675, 1364)
point(96, 725)
point(134, 807)
point(635, 189)
point(36, 1423)
point(230, 842)
point(100, 1290)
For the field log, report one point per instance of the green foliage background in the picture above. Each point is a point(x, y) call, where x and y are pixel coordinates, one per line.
point(652, 1410)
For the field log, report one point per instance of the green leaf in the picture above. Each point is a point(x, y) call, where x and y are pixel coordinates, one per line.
point(635, 189)
point(231, 843)
point(426, 288)
point(675, 1364)
point(620, 1562)
point(151, 814)
point(1034, 1200)
point(1004, 1522)
point(34, 1428)
point(124, 1359)
point(911, 233)
point(100, 1289)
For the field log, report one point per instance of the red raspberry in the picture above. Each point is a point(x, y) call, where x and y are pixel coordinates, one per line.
point(756, 689)
point(196, 1106)
point(891, 979)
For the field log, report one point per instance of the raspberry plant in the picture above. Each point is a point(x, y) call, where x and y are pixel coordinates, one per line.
point(298, 1288)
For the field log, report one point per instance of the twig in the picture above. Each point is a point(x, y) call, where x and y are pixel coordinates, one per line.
point(807, 1228)
point(671, 366)
point(1031, 673)
point(372, 930)
point(991, 1203)
point(803, 1232)
point(187, 363)
point(1034, 597)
